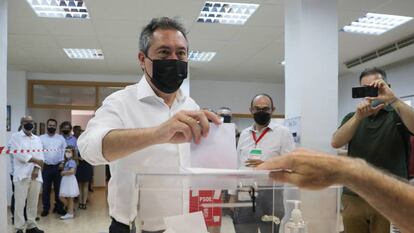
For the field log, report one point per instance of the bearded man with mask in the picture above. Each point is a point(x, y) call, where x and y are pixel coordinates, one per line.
point(55, 145)
point(27, 176)
point(257, 143)
point(146, 127)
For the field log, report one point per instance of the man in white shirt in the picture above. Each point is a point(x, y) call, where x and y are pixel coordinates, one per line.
point(27, 176)
point(257, 143)
point(147, 127)
point(55, 144)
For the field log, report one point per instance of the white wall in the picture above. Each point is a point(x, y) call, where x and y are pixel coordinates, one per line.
point(4, 175)
point(16, 98)
point(400, 76)
point(236, 95)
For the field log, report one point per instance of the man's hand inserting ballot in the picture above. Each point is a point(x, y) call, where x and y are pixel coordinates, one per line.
point(186, 126)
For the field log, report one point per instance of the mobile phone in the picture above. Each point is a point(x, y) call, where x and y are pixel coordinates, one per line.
point(366, 91)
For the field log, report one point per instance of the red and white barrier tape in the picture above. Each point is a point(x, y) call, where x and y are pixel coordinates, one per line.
point(4, 150)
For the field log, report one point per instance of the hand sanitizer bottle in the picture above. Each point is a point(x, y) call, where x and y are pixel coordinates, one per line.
point(295, 223)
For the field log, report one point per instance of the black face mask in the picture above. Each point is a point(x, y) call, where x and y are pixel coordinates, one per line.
point(168, 74)
point(51, 130)
point(226, 118)
point(28, 126)
point(261, 118)
point(66, 132)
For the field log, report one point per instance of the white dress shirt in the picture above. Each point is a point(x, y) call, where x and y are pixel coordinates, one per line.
point(11, 156)
point(21, 167)
point(55, 142)
point(278, 140)
point(137, 106)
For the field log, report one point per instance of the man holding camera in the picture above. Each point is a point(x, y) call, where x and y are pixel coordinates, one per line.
point(380, 127)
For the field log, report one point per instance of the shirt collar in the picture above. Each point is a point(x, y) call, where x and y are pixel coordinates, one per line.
point(69, 137)
point(21, 132)
point(271, 126)
point(144, 91)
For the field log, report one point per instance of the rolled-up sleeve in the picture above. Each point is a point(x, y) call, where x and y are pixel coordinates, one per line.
point(106, 118)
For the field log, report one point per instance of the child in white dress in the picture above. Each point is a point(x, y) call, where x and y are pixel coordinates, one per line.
point(69, 185)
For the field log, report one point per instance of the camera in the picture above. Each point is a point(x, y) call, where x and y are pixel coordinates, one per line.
point(366, 91)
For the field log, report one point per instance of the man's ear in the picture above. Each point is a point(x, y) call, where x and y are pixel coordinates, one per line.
point(273, 109)
point(141, 59)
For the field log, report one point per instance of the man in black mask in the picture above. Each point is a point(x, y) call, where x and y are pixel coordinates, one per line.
point(55, 144)
point(257, 143)
point(27, 175)
point(147, 127)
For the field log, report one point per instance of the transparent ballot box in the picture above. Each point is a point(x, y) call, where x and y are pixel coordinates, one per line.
point(227, 201)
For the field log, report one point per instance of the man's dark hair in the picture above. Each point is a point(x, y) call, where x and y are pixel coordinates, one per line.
point(373, 71)
point(156, 23)
point(65, 123)
point(261, 94)
point(224, 108)
point(51, 119)
point(77, 127)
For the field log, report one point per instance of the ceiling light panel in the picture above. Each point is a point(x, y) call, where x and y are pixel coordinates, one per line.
point(376, 24)
point(94, 54)
point(198, 56)
point(226, 12)
point(60, 8)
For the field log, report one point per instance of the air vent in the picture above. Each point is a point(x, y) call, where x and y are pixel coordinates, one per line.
point(386, 50)
point(353, 63)
point(406, 42)
point(369, 57)
point(380, 52)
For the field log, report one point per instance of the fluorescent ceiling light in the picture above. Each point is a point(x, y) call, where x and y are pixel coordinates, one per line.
point(226, 12)
point(376, 24)
point(201, 56)
point(60, 8)
point(84, 53)
point(283, 63)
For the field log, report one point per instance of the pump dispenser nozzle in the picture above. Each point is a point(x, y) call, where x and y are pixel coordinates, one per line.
point(295, 223)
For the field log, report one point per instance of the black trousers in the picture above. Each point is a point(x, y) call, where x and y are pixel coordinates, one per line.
point(12, 197)
point(117, 227)
point(269, 202)
point(51, 176)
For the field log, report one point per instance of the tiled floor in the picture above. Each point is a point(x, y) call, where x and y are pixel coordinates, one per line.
point(93, 220)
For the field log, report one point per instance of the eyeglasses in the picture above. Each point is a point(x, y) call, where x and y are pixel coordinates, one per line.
point(264, 109)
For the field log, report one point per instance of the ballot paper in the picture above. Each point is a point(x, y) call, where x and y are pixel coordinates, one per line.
point(192, 222)
point(217, 150)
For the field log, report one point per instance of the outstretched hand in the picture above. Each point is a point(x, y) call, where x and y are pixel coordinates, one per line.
point(310, 169)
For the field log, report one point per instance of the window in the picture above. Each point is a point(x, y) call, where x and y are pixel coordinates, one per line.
point(69, 94)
